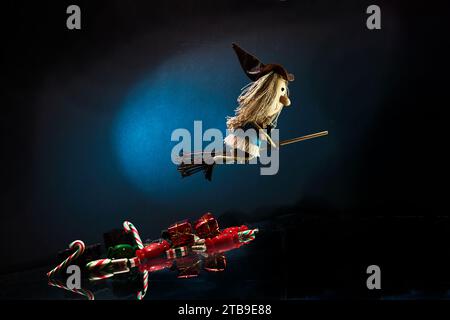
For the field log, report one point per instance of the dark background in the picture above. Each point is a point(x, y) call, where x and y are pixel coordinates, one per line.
point(88, 115)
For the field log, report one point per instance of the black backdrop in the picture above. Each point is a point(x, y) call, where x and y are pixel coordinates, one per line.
point(381, 189)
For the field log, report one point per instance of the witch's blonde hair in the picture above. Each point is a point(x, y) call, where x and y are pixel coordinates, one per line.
point(255, 101)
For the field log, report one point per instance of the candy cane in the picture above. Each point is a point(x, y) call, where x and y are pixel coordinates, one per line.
point(141, 294)
point(100, 276)
point(247, 235)
point(97, 267)
point(79, 251)
point(88, 294)
point(98, 264)
point(128, 226)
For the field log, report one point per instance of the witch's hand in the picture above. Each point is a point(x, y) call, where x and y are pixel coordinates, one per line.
point(263, 135)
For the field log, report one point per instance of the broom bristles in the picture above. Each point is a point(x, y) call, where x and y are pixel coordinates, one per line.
point(188, 169)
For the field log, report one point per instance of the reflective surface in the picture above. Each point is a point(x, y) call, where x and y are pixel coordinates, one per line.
point(292, 257)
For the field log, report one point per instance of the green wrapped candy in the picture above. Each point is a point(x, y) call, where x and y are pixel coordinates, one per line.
point(122, 251)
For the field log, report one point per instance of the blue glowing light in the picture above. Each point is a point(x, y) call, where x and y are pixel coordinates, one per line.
point(173, 96)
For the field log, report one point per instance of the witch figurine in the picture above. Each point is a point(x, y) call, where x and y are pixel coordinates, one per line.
point(259, 106)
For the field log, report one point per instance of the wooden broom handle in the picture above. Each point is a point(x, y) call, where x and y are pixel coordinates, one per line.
point(302, 138)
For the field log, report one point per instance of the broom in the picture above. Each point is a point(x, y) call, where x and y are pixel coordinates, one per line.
point(188, 169)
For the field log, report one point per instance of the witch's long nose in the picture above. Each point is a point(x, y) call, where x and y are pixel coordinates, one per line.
point(285, 101)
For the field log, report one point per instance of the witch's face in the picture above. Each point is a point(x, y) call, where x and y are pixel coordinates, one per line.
point(282, 97)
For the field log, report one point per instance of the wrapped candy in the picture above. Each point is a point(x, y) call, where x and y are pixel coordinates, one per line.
point(223, 242)
point(182, 247)
point(153, 250)
point(177, 252)
point(230, 238)
point(180, 234)
point(121, 251)
point(117, 236)
point(206, 226)
point(235, 229)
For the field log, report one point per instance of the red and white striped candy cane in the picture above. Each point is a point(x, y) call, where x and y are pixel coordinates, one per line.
point(129, 227)
point(79, 251)
point(86, 293)
point(99, 275)
point(98, 264)
point(247, 235)
point(95, 268)
point(141, 294)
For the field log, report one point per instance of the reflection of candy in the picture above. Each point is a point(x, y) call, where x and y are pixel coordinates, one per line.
point(79, 251)
point(188, 267)
point(177, 252)
point(141, 294)
point(96, 268)
point(88, 294)
point(106, 268)
point(247, 235)
point(99, 275)
point(156, 264)
point(215, 262)
point(128, 226)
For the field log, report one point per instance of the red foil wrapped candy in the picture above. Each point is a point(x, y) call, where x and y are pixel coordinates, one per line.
point(206, 226)
point(153, 250)
point(181, 234)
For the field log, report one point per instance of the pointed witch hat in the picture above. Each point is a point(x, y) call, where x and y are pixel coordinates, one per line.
point(255, 69)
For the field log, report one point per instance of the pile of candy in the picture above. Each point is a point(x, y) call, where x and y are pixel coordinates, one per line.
point(183, 245)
